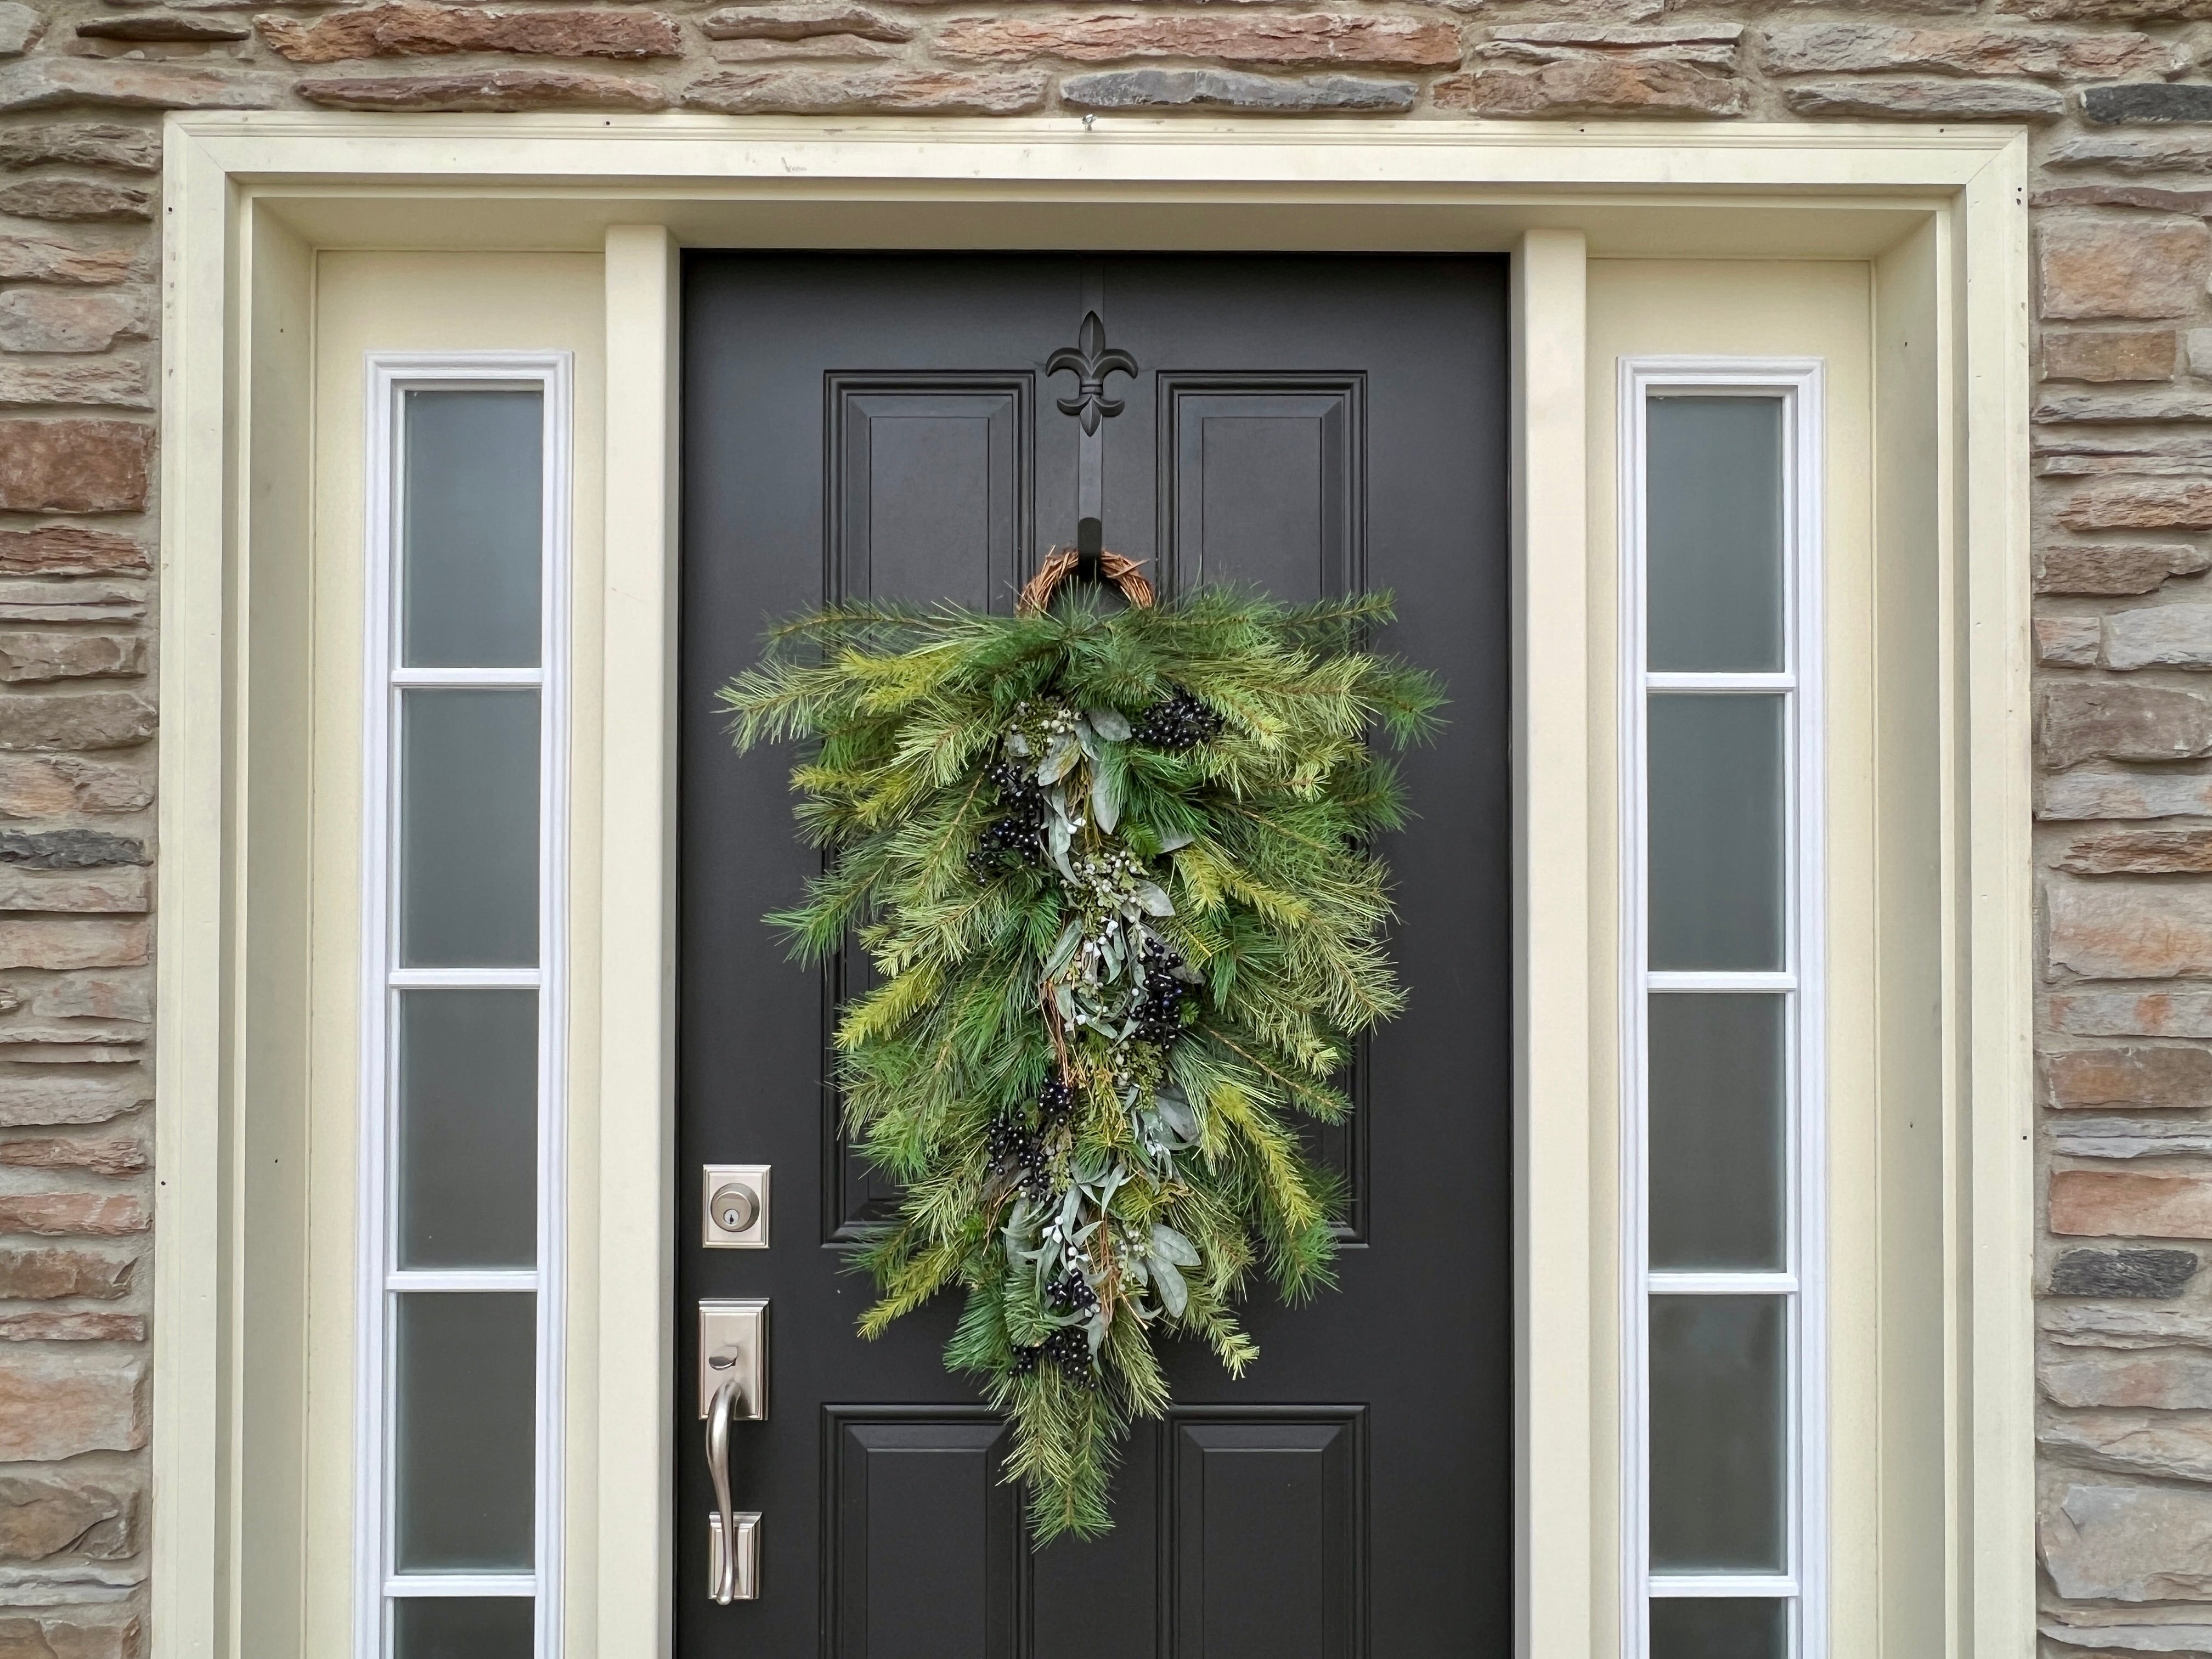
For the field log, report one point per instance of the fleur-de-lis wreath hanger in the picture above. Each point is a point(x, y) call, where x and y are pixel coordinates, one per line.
point(1091, 360)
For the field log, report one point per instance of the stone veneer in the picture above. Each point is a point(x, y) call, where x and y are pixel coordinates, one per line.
point(2122, 183)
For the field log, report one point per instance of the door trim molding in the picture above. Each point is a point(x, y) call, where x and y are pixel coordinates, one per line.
point(250, 196)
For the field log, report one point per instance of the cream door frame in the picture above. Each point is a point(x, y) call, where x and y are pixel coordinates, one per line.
point(1941, 214)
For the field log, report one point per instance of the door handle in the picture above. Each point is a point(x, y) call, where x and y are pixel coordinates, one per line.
point(732, 1383)
point(732, 1539)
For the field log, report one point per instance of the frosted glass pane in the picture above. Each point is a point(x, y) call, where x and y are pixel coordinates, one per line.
point(1715, 1627)
point(467, 1155)
point(1716, 780)
point(1718, 1469)
point(1713, 494)
point(1715, 1143)
point(464, 1378)
point(462, 1627)
point(471, 555)
point(468, 828)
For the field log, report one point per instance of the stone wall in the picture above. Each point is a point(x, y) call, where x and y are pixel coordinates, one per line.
point(2123, 462)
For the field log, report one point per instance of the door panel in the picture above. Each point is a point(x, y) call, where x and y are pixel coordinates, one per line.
point(884, 426)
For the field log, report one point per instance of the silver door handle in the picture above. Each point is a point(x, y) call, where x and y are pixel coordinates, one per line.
point(732, 1539)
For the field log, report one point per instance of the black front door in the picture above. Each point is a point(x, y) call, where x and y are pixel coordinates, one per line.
point(885, 426)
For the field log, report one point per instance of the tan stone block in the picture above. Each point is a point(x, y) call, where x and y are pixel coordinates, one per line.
point(2110, 354)
point(828, 92)
point(73, 1215)
point(2100, 794)
point(2113, 568)
point(2126, 1079)
point(2098, 268)
point(54, 1407)
point(2130, 1013)
point(96, 996)
point(98, 144)
point(2110, 11)
point(62, 320)
point(814, 48)
point(45, 82)
point(50, 258)
point(414, 31)
point(44, 1516)
point(1595, 83)
point(163, 25)
point(2118, 931)
point(497, 90)
point(802, 21)
point(2140, 504)
point(2131, 1443)
point(2135, 154)
point(75, 199)
point(2102, 1204)
point(1925, 99)
point(68, 550)
point(103, 382)
point(2129, 1543)
point(30, 658)
point(2060, 642)
point(1252, 38)
point(77, 1633)
point(2091, 720)
point(1857, 48)
point(46, 786)
point(71, 1325)
point(2141, 853)
point(112, 1156)
point(72, 942)
point(1148, 88)
point(45, 1102)
point(74, 466)
point(2159, 636)
point(71, 601)
point(75, 720)
point(122, 888)
point(48, 1273)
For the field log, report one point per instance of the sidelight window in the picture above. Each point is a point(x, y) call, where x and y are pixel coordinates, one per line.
point(1721, 1140)
point(461, 1151)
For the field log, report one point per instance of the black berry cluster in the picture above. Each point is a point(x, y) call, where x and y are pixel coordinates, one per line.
point(1026, 1360)
point(1159, 1007)
point(1016, 836)
point(1070, 1292)
point(1181, 721)
point(1011, 1145)
point(1055, 1100)
point(1070, 1348)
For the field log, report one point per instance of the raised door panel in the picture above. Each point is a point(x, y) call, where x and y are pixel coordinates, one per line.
point(1263, 481)
point(1267, 1536)
point(924, 1549)
point(929, 480)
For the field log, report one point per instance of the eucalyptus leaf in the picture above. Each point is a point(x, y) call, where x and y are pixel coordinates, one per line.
point(1171, 1245)
point(1175, 1295)
point(1106, 798)
point(1109, 723)
point(1176, 840)
point(1153, 900)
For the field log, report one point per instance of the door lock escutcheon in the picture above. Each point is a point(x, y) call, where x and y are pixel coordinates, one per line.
point(735, 1206)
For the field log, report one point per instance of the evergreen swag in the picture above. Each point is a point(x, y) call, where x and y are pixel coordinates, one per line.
point(1110, 867)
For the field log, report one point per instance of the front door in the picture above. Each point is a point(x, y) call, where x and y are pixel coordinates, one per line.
point(885, 426)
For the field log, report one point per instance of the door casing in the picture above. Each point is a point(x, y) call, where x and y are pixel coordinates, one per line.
point(251, 197)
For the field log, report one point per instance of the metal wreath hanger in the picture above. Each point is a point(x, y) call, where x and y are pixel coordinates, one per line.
point(1091, 360)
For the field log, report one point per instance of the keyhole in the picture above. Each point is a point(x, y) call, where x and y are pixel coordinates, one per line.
point(735, 1207)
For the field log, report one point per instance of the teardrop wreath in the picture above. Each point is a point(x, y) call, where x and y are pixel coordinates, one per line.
point(1113, 869)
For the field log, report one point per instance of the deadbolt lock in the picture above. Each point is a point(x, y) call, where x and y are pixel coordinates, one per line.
point(736, 1206)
